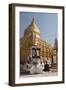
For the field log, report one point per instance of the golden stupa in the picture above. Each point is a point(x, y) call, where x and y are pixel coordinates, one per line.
point(32, 38)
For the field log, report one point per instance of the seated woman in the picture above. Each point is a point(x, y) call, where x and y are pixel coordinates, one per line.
point(46, 67)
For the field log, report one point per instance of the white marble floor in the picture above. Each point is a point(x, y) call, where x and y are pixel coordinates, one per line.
point(44, 74)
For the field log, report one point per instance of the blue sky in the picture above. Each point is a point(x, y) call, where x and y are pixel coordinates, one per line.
point(46, 22)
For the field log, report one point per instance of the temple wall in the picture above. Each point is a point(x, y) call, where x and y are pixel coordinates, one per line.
point(45, 51)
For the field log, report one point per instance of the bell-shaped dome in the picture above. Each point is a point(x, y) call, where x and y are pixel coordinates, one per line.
point(32, 28)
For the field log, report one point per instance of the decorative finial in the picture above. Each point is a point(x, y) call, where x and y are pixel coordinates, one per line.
point(33, 21)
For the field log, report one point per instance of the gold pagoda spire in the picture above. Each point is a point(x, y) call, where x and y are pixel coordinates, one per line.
point(32, 27)
point(33, 22)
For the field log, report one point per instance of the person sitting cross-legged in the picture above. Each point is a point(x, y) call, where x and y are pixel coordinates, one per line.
point(46, 67)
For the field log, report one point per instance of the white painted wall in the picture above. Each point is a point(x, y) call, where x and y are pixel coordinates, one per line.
point(4, 45)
